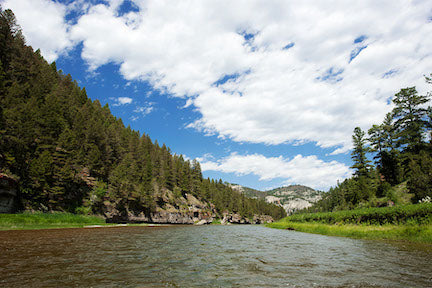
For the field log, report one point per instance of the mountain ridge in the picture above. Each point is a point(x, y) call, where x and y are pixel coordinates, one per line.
point(291, 197)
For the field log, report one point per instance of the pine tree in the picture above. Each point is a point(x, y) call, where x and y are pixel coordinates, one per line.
point(363, 187)
point(376, 138)
point(358, 155)
point(70, 153)
point(420, 181)
point(409, 115)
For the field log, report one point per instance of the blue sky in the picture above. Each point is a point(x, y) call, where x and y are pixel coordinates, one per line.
point(262, 93)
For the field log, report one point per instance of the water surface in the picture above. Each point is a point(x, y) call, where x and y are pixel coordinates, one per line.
point(206, 256)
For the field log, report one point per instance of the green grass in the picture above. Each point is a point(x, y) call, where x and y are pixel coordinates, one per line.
point(397, 215)
point(412, 233)
point(408, 223)
point(216, 221)
point(47, 220)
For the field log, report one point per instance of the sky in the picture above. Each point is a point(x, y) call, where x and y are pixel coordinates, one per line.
point(263, 93)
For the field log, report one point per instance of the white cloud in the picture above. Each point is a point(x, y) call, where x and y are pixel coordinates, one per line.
point(311, 91)
point(43, 24)
point(286, 95)
point(306, 170)
point(146, 109)
point(122, 101)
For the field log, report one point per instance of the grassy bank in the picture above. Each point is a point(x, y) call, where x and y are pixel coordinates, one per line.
point(405, 214)
point(408, 223)
point(47, 221)
point(216, 221)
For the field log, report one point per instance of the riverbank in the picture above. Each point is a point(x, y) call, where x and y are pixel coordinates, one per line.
point(412, 233)
point(404, 223)
point(59, 220)
point(25, 221)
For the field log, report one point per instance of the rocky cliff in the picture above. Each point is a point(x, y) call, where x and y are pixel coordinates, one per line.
point(230, 218)
point(170, 209)
point(180, 209)
point(291, 198)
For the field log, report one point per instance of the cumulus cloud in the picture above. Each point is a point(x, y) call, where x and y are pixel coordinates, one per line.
point(122, 101)
point(302, 72)
point(307, 170)
point(263, 71)
point(44, 25)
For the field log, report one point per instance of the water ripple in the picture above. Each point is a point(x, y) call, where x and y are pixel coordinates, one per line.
point(209, 256)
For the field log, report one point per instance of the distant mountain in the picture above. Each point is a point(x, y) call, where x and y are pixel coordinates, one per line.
point(291, 198)
point(248, 192)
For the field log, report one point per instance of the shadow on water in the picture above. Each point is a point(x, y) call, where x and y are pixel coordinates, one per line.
point(206, 256)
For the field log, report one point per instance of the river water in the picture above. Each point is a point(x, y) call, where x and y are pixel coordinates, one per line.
point(206, 256)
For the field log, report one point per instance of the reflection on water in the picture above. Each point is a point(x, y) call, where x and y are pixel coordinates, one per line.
point(205, 256)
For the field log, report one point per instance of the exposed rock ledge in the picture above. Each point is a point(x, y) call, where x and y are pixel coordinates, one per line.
point(164, 217)
point(237, 219)
point(172, 209)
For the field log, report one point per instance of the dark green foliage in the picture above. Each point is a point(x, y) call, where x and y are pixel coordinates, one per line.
point(402, 154)
point(71, 154)
point(420, 181)
point(409, 116)
point(358, 155)
point(390, 169)
point(413, 214)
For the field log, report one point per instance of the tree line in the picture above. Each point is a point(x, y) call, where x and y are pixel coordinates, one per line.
point(70, 153)
point(393, 159)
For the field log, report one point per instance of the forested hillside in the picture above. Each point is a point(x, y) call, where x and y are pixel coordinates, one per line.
point(392, 163)
point(69, 153)
point(248, 192)
point(292, 198)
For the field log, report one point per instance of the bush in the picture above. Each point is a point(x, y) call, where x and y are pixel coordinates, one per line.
point(408, 214)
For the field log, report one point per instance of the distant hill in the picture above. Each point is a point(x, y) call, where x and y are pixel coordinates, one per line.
point(248, 192)
point(291, 198)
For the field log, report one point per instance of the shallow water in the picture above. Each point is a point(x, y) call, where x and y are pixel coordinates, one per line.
point(206, 256)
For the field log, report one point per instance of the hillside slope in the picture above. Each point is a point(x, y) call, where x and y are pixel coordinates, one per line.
point(69, 153)
point(291, 198)
point(248, 192)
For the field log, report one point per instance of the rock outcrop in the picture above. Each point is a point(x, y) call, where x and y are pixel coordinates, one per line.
point(170, 209)
point(185, 209)
point(291, 198)
point(8, 193)
point(237, 219)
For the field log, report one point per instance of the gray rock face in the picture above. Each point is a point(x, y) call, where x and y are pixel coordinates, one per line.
point(204, 221)
point(262, 219)
point(8, 193)
point(237, 219)
point(174, 210)
point(296, 204)
point(164, 217)
point(179, 210)
point(291, 198)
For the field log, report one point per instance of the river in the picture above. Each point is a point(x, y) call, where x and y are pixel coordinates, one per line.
point(206, 256)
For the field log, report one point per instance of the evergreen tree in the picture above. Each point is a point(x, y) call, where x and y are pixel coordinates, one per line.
point(377, 140)
point(420, 181)
point(409, 115)
point(71, 154)
point(358, 155)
